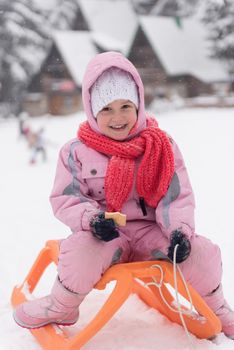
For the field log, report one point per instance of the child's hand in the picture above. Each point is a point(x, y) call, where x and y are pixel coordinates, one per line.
point(183, 249)
point(103, 229)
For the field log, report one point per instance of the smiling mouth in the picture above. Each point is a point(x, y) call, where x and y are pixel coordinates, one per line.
point(118, 127)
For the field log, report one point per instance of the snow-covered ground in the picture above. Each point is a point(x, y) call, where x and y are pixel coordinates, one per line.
point(205, 137)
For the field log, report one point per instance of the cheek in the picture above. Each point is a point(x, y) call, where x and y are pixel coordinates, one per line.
point(103, 127)
point(101, 123)
point(133, 117)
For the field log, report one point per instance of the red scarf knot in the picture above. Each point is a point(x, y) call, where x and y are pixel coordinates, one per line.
point(155, 170)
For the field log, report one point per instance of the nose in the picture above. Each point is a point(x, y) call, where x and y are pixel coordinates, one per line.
point(118, 114)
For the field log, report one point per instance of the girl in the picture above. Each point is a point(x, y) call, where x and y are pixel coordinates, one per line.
point(122, 161)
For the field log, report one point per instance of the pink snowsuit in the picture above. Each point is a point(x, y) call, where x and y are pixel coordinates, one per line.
point(79, 193)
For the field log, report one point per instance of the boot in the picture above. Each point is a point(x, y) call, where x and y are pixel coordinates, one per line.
point(223, 311)
point(60, 307)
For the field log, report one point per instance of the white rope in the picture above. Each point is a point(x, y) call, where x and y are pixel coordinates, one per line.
point(182, 312)
point(179, 309)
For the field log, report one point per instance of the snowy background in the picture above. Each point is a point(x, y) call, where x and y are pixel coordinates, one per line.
point(205, 137)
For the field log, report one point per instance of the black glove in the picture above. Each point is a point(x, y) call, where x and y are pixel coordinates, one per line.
point(184, 248)
point(103, 229)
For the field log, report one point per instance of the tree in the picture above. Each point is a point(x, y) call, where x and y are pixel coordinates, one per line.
point(23, 41)
point(219, 19)
point(25, 30)
point(143, 7)
point(174, 8)
point(63, 15)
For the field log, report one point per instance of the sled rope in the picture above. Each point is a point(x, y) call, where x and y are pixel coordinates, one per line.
point(179, 308)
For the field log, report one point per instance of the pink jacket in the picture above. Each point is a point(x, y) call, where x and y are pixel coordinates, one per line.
point(78, 192)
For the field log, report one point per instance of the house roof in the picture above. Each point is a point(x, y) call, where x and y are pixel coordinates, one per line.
point(77, 49)
point(182, 49)
point(113, 23)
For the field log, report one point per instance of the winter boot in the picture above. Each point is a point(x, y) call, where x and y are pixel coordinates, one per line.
point(60, 307)
point(218, 304)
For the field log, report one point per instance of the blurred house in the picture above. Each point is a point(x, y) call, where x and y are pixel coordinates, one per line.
point(113, 24)
point(100, 26)
point(60, 77)
point(172, 58)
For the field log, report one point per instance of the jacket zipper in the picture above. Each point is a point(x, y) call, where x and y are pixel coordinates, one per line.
point(142, 205)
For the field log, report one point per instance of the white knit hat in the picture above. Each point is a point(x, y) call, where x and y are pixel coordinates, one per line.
point(113, 84)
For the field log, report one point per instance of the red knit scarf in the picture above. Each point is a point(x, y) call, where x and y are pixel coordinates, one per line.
point(155, 170)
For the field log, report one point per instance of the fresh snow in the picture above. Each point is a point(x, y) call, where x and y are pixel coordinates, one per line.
point(77, 49)
point(205, 137)
point(117, 18)
point(183, 50)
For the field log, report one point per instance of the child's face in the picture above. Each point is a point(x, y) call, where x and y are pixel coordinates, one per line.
point(117, 119)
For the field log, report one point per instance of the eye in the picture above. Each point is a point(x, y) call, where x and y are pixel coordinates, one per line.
point(126, 106)
point(106, 109)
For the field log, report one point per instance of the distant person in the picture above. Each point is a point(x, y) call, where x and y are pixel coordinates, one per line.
point(122, 161)
point(24, 128)
point(36, 141)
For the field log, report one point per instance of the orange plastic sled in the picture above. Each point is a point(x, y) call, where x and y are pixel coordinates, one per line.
point(130, 278)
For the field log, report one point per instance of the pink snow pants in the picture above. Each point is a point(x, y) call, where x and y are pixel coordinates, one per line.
point(83, 258)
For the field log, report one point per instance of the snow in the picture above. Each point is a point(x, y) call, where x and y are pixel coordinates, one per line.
point(46, 4)
point(107, 42)
point(183, 50)
point(77, 50)
point(206, 139)
point(117, 18)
